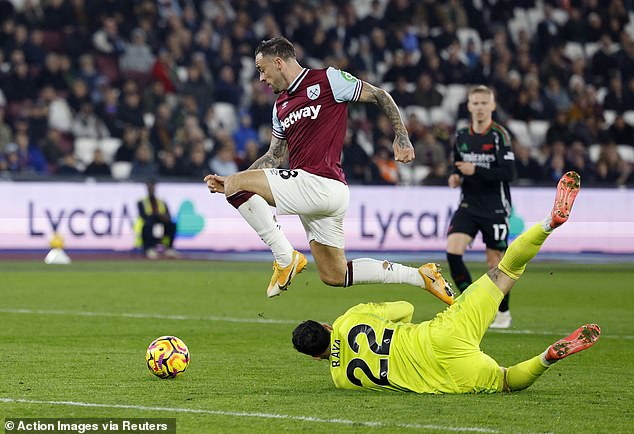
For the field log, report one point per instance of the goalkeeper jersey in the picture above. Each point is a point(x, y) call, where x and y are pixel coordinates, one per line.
point(376, 346)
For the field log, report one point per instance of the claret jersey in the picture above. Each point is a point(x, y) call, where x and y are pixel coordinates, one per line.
point(312, 116)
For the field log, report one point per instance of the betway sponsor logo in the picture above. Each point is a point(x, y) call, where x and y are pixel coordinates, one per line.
point(307, 112)
point(482, 160)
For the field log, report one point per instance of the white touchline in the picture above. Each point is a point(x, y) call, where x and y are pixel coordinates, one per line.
point(255, 415)
point(251, 320)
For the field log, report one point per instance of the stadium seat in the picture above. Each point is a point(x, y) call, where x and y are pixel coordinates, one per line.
point(629, 117)
point(225, 114)
point(591, 48)
point(594, 151)
point(148, 119)
point(626, 152)
point(574, 51)
point(109, 148)
point(609, 116)
point(537, 130)
point(520, 130)
point(438, 115)
point(412, 174)
point(85, 149)
point(420, 113)
point(455, 94)
point(121, 170)
point(535, 16)
point(465, 34)
point(601, 93)
point(462, 123)
point(560, 15)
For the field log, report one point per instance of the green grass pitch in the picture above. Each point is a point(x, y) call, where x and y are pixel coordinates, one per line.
point(75, 336)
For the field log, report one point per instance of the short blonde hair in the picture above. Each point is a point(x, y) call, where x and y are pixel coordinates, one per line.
point(481, 89)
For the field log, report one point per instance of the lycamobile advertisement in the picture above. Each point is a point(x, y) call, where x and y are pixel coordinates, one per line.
point(102, 216)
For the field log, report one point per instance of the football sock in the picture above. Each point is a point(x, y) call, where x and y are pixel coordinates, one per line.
point(546, 224)
point(259, 216)
point(459, 271)
point(524, 374)
point(367, 270)
point(522, 250)
point(504, 305)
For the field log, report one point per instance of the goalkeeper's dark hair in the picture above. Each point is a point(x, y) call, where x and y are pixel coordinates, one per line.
point(311, 338)
point(276, 47)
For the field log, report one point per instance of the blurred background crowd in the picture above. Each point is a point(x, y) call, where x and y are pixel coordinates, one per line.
point(138, 89)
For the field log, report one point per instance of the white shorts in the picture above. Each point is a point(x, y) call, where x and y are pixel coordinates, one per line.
point(321, 203)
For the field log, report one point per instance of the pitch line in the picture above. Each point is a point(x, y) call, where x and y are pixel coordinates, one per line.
point(246, 320)
point(255, 415)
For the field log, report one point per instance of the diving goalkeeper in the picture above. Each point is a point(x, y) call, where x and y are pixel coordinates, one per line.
point(376, 346)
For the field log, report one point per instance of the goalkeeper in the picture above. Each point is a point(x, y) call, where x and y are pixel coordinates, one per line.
point(376, 346)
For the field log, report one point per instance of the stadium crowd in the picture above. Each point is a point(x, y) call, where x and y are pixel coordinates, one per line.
point(167, 88)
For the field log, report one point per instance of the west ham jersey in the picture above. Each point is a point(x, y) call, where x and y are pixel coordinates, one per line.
point(312, 116)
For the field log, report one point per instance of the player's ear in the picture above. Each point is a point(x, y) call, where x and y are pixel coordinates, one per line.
point(327, 327)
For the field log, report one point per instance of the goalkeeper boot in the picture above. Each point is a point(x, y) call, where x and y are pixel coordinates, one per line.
point(282, 276)
point(581, 339)
point(435, 283)
point(567, 190)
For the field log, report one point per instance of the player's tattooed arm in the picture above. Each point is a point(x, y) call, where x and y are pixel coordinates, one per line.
point(274, 157)
point(501, 279)
point(403, 149)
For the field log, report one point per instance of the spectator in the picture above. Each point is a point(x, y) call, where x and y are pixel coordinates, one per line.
point(402, 96)
point(130, 111)
point(244, 134)
point(387, 168)
point(162, 132)
point(87, 125)
point(19, 85)
point(621, 132)
point(137, 56)
point(24, 158)
point(143, 165)
point(51, 74)
point(227, 90)
point(425, 95)
point(615, 98)
point(98, 167)
point(129, 145)
point(559, 130)
point(557, 95)
point(68, 166)
point(107, 40)
point(611, 169)
point(224, 162)
point(198, 87)
point(108, 111)
point(528, 169)
point(604, 62)
point(6, 136)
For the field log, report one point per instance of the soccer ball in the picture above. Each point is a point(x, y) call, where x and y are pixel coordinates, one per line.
point(167, 357)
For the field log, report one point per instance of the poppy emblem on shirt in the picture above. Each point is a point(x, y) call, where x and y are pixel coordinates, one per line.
point(488, 146)
point(313, 91)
